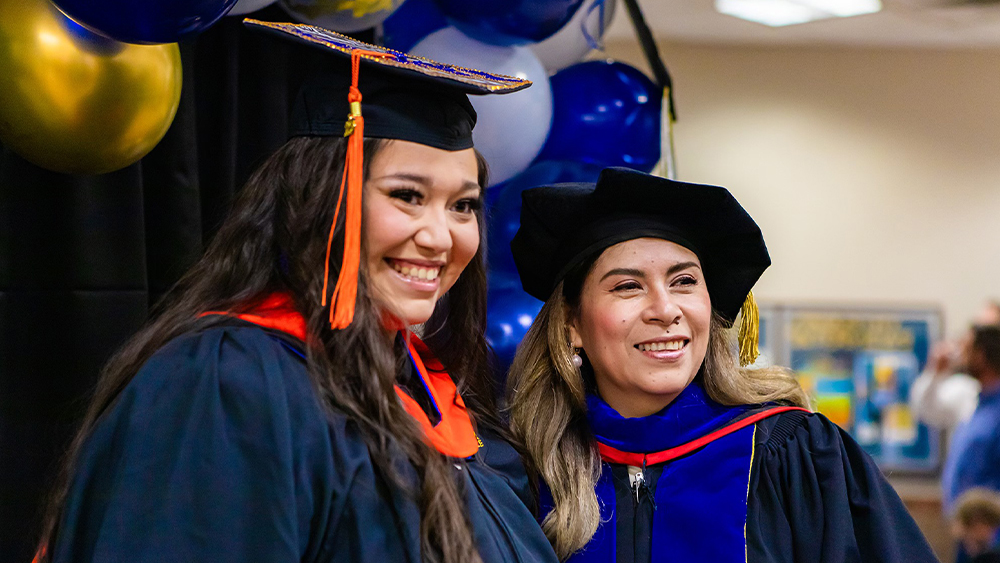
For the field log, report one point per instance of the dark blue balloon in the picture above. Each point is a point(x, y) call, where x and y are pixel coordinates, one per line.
point(606, 113)
point(509, 22)
point(509, 313)
point(412, 21)
point(504, 206)
point(145, 21)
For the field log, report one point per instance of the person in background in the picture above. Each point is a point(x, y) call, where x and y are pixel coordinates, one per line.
point(651, 442)
point(976, 524)
point(973, 458)
point(280, 407)
point(943, 397)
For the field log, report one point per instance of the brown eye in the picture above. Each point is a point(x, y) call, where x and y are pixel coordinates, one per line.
point(406, 195)
point(686, 281)
point(469, 205)
point(627, 286)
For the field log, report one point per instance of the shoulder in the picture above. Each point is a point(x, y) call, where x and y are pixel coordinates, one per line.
point(504, 460)
point(242, 360)
point(240, 375)
point(775, 432)
point(798, 447)
point(234, 387)
point(807, 437)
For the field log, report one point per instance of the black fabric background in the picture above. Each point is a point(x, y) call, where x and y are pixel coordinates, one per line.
point(82, 258)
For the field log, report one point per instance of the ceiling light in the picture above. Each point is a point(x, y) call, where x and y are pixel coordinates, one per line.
point(787, 12)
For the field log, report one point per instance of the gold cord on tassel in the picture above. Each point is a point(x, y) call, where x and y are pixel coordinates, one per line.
point(749, 333)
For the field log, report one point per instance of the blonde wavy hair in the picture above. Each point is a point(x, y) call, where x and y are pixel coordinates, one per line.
point(547, 403)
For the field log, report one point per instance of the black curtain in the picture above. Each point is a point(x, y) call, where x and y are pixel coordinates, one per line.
point(82, 258)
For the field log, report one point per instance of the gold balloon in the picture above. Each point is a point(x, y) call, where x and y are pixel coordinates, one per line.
point(74, 103)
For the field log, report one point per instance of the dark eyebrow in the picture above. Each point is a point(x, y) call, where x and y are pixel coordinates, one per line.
point(640, 274)
point(424, 181)
point(623, 272)
point(681, 266)
point(415, 178)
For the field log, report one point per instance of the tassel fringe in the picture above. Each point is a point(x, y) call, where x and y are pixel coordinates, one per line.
point(749, 333)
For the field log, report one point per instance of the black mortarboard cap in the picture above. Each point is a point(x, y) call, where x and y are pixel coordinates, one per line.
point(404, 97)
point(564, 224)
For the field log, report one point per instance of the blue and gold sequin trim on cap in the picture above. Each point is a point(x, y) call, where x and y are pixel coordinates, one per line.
point(478, 81)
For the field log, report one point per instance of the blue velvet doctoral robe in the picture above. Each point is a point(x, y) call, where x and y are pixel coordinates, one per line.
point(790, 488)
point(220, 450)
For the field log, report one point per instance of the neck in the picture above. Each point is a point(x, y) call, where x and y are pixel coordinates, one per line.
point(635, 405)
point(989, 381)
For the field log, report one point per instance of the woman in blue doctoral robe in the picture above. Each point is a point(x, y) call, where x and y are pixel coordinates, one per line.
point(280, 408)
point(656, 445)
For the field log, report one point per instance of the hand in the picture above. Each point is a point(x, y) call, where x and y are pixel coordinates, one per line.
point(941, 358)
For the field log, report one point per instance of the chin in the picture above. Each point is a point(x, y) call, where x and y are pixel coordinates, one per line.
point(672, 383)
point(417, 315)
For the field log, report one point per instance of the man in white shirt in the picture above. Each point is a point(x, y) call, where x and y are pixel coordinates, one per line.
point(940, 397)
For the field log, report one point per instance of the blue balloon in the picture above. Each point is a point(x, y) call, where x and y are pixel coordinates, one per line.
point(412, 21)
point(504, 207)
point(145, 22)
point(606, 113)
point(509, 22)
point(509, 313)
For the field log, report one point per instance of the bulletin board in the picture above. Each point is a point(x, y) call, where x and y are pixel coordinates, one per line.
point(857, 364)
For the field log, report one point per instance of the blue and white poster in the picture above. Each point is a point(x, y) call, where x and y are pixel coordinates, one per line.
point(857, 365)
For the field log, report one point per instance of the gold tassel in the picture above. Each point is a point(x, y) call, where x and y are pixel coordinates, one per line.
point(749, 334)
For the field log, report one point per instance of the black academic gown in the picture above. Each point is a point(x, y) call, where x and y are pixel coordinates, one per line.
point(790, 487)
point(219, 450)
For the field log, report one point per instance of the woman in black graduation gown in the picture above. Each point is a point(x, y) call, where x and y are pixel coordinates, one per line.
point(655, 445)
point(279, 408)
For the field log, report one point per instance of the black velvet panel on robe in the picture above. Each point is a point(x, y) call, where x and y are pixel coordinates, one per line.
point(82, 258)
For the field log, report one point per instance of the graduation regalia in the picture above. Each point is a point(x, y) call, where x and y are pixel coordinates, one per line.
point(700, 481)
point(220, 450)
point(791, 486)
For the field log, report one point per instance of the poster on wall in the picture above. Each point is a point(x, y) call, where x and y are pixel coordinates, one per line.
point(857, 365)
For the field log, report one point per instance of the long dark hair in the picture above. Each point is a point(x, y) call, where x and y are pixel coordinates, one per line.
point(275, 240)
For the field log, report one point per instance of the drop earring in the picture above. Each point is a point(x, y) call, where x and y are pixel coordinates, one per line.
point(577, 360)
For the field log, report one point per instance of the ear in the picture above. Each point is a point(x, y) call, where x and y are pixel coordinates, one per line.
point(574, 334)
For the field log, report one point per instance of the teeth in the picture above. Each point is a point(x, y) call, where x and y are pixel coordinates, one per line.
point(419, 273)
point(659, 346)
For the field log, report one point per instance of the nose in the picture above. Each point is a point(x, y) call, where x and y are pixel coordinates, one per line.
point(434, 231)
point(661, 308)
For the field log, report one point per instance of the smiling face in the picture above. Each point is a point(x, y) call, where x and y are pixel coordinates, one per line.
point(643, 323)
point(420, 225)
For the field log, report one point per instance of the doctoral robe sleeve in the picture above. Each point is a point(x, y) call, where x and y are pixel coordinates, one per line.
point(816, 497)
point(217, 451)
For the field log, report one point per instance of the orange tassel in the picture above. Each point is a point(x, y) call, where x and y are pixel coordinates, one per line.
point(345, 292)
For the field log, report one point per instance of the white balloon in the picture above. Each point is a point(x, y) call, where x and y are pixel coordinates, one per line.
point(570, 44)
point(345, 16)
point(511, 128)
point(247, 6)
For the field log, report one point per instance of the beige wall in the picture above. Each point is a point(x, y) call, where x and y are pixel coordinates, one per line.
point(874, 174)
